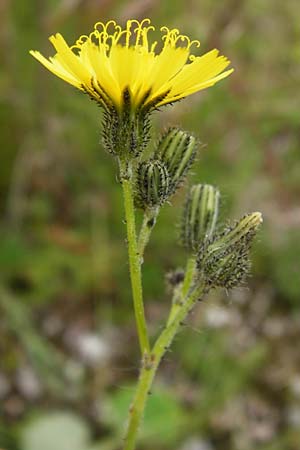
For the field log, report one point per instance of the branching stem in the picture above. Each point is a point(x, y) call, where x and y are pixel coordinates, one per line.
point(134, 258)
point(182, 291)
point(150, 365)
point(146, 228)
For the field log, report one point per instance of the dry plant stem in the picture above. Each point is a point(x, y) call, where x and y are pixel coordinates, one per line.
point(134, 257)
point(182, 291)
point(150, 365)
point(149, 221)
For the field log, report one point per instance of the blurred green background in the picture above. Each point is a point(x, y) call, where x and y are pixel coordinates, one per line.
point(68, 351)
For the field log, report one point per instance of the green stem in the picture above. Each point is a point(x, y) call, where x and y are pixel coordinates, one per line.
point(189, 274)
point(149, 221)
point(150, 365)
point(182, 291)
point(134, 258)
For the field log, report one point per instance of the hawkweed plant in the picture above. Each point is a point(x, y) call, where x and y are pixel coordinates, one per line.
point(130, 78)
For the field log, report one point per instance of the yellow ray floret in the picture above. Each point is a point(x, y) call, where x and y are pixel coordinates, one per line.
point(112, 60)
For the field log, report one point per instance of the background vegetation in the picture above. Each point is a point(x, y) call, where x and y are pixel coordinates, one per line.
point(68, 352)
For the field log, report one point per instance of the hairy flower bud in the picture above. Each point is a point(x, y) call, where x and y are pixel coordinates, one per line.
point(224, 261)
point(152, 184)
point(125, 132)
point(177, 149)
point(200, 215)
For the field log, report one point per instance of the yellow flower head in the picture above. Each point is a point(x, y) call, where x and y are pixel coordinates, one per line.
point(117, 66)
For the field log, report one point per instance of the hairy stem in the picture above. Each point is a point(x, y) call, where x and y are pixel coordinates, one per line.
point(134, 258)
point(182, 291)
point(150, 365)
point(146, 228)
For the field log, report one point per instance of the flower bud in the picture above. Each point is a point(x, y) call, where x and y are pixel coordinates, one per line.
point(152, 184)
point(177, 149)
point(200, 215)
point(224, 261)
